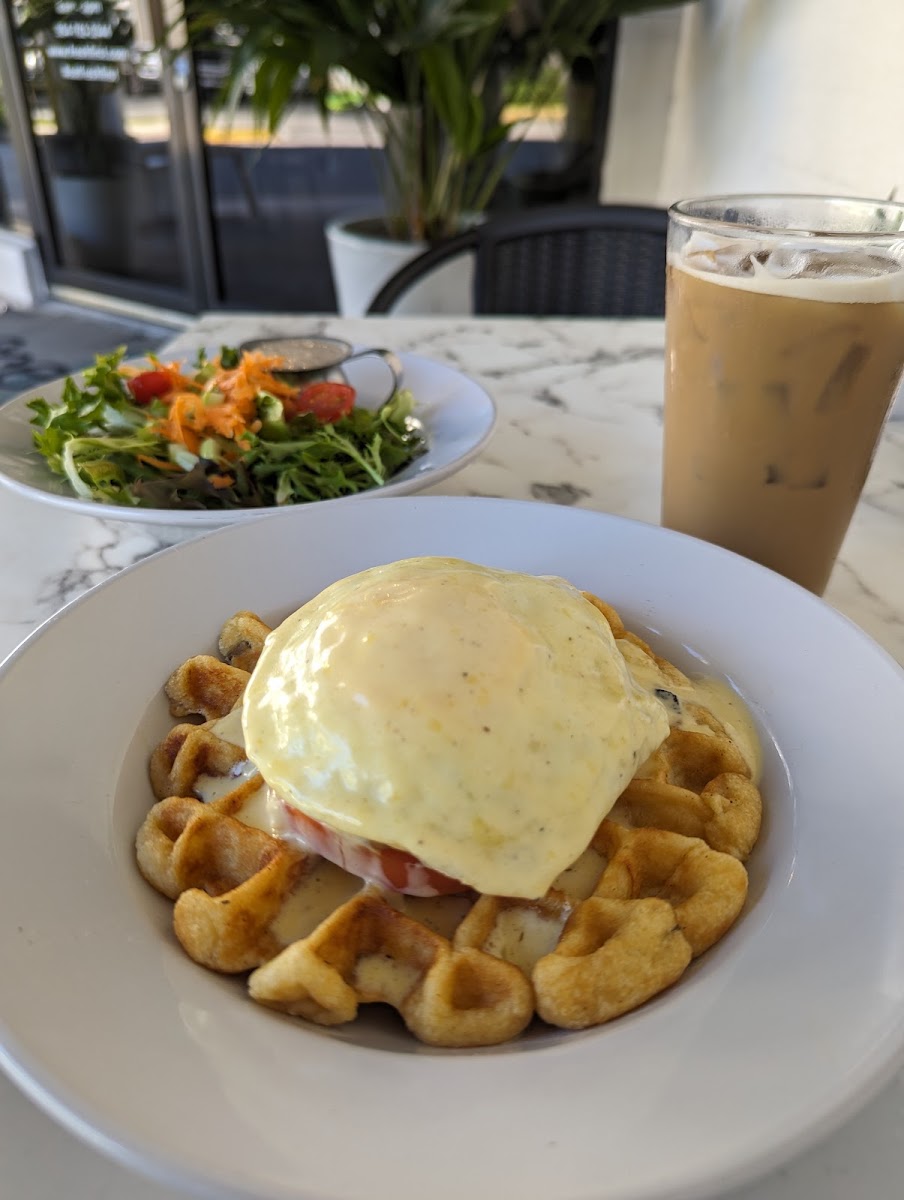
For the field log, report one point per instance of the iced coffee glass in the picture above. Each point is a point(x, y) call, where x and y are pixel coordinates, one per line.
point(784, 350)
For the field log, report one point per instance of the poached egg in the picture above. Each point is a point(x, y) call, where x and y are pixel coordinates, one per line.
point(481, 720)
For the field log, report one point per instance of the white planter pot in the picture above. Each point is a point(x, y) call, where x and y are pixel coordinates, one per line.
point(363, 261)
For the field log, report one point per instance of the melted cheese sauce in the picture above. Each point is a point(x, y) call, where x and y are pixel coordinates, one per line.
point(523, 936)
point(442, 914)
point(325, 886)
point(319, 893)
point(729, 709)
point(580, 879)
point(679, 695)
point(386, 978)
point(482, 720)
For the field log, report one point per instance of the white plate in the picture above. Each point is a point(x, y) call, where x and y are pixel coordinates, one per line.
point(457, 415)
point(773, 1037)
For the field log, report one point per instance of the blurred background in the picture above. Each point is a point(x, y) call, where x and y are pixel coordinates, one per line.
point(155, 173)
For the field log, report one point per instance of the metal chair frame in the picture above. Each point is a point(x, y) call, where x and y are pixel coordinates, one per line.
point(521, 237)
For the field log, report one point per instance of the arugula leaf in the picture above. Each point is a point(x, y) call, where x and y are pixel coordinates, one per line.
point(103, 405)
point(104, 379)
point(102, 443)
point(325, 461)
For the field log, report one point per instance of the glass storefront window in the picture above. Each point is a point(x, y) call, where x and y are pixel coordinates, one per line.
point(143, 187)
point(271, 197)
point(13, 206)
point(102, 133)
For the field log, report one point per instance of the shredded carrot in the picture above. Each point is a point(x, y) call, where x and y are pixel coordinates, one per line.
point(190, 418)
point(162, 464)
point(254, 374)
point(221, 480)
point(177, 425)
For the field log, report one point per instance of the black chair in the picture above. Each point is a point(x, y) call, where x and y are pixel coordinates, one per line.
point(588, 261)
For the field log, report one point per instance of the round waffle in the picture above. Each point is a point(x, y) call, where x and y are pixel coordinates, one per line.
point(661, 881)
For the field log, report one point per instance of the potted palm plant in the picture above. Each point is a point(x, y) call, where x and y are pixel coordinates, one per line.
point(432, 76)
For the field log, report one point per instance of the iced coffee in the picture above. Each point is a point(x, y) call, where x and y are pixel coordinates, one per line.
point(784, 352)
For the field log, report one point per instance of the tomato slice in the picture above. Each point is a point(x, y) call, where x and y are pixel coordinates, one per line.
point(326, 400)
point(391, 868)
point(147, 385)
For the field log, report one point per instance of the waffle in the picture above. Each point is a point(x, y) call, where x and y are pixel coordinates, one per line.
point(661, 882)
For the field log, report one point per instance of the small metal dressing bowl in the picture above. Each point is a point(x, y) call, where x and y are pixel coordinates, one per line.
point(311, 359)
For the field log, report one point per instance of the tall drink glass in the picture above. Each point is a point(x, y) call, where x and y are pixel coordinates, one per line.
point(784, 350)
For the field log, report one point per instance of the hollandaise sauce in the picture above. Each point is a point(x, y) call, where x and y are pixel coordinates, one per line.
point(481, 720)
point(484, 721)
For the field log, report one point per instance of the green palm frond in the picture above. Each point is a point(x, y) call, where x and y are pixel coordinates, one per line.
point(436, 62)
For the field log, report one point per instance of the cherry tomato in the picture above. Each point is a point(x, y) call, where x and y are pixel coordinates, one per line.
point(327, 401)
point(394, 869)
point(147, 385)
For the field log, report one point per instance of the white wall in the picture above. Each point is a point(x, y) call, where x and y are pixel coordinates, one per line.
point(761, 95)
point(641, 101)
point(790, 95)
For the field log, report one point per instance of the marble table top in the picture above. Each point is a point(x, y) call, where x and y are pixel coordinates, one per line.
point(579, 424)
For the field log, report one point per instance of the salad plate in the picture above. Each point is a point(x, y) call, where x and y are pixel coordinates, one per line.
point(781, 1031)
point(455, 414)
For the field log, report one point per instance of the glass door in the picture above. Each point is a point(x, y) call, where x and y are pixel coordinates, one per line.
point(272, 196)
point(121, 198)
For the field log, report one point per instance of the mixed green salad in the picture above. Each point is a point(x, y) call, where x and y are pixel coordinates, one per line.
point(228, 432)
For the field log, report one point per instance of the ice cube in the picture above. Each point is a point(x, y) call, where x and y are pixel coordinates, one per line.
point(735, 256)
point(827, 262)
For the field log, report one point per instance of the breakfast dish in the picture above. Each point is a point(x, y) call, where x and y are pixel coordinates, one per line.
point(204, 444)
point(469, 794)
point(767, 1042)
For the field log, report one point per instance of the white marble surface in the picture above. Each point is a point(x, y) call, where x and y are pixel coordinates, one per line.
point(579, 423)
